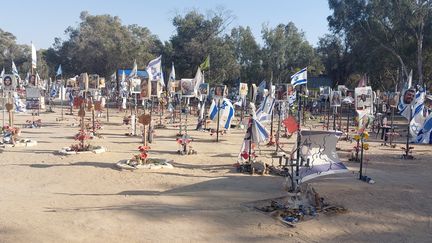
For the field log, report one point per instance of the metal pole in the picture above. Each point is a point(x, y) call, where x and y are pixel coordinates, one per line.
point(334, 118)
point(218, 118)
point(361, 160)
point(408, 134)
point(298, 136)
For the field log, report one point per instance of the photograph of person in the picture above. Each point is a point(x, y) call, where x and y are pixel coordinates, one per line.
point(145, 88)
point(93, 81)
point(33, 80)
point(154, 88)
point(204, 89)
point(408, 96)
point(135, 85)
point(335, 98)
point(243, 89)
point(220, 90)
point(8, 83)
point(281, 92)
point(187, 87)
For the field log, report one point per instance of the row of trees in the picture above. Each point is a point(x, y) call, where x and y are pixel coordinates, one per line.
point(384, 39)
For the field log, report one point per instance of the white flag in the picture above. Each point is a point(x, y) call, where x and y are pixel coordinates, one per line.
point(198, 80)
point(134, 71)
point(33, 55)
point(15, 70)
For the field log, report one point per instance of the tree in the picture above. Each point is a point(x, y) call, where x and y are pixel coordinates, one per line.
point(101, 44)
point(286, 51)
point(198, 36)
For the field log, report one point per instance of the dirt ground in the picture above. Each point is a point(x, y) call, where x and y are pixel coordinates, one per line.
point(45, 197)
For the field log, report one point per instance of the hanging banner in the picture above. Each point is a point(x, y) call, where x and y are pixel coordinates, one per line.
point(318, 151)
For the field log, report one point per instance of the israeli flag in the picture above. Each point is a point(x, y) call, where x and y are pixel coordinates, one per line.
point(59, 71)
point(225, 110)
point(154, 70)
point(299, 77)
point(265, 110)
point(15, 70)
point(134, 71)
point(259, 132)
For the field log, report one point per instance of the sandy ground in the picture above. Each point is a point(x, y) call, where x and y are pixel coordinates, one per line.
point(46, 197)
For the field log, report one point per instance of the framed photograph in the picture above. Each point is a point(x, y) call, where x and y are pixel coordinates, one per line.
point(176, 87)
point(393, 99)
point(71, 83)
point(145, 88)
point(9, 82)
point(281, 92)
point(243, 89)
point(101, 83)
point(335, 98)
point(363, 99)
point(187, 87)
point(93, 82)
point(83, 81)
point(204, 89)
point(219, 90)
point(135, 86)
point(33, 82)
point(155, 88)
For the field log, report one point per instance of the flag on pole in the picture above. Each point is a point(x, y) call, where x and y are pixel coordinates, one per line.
point(33, 55)
point(265, 110)
point(225, 110)
point(59, 71)
point(409, 83)
point(154, 70)
point(134, 71)
point(206, 64)
point(299, 77)
point(15, 70)
point(2, 73)
point(198, 80)
point(362, 82)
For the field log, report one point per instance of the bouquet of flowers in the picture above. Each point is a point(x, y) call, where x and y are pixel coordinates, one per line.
point(141, 158)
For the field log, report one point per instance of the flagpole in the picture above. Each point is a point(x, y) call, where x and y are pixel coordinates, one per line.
point(218, 120)
point(61, 95)
point(298, 137)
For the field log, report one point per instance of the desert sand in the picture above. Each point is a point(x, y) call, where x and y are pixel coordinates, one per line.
point(45, 197)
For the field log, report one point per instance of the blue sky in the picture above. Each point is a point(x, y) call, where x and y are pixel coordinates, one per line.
point(42, 21)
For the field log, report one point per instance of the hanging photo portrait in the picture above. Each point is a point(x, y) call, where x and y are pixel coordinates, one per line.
point(335, 98)
point(83, 81)
point(9, 82)
point(325, 92)
point(145, 88)
point(135, 85)
point(33, 82)
point(175, 88)
point(187, 87)
point(93, 82)
point(101, 83)
point(281, 92)
point(243, 90)
point(71, 83)
point(155, 88)
point(220, 91)
point(363, 99)
point(204, 89)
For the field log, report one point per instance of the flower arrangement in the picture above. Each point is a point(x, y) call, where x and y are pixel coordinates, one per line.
point(360, 137)
point(34, 124)
point(10, 134)
point(141, 158)
point(81, 136)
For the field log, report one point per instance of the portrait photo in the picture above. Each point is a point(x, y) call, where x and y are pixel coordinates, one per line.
point(135, 86)
point(220, 90)
point(335, 98)
point(145, 88)
point(187, 87)
point(93, 82)
point(243, 90)
point(204, 89)
point(9, 82)
point(281, 92)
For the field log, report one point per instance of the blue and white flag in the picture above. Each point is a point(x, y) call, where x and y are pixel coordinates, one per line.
point(154, 70)
point(15, 70)
point(225, 110)
point(299, 77)
point(259, 132)
point(33, 55)
point(59, 71)
point(134, 71)
point(266, 109)
point(262, 86)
